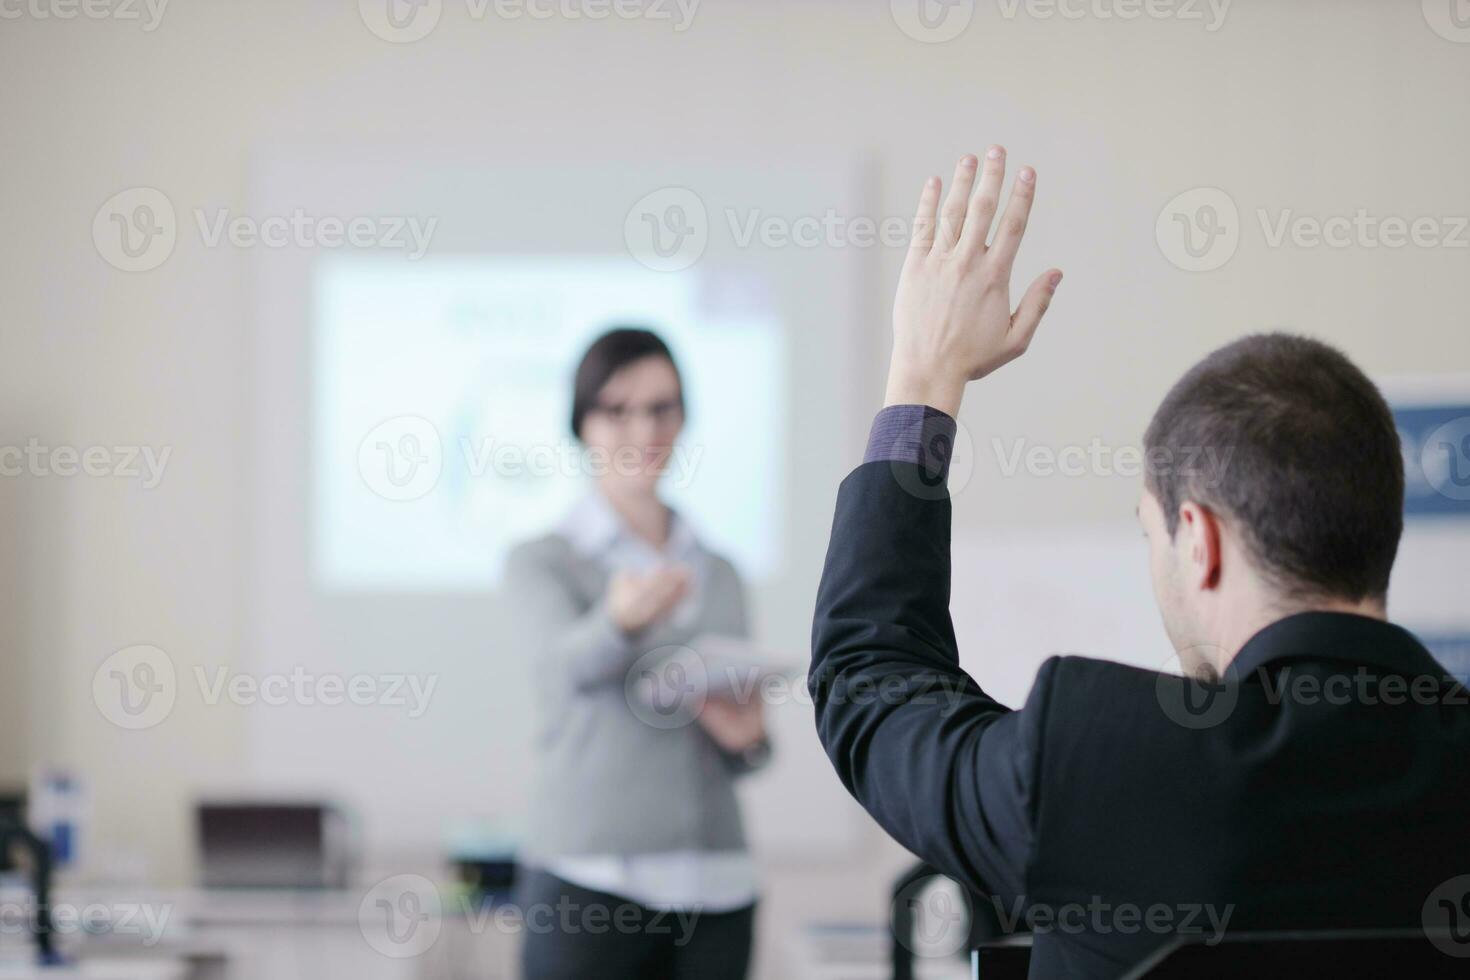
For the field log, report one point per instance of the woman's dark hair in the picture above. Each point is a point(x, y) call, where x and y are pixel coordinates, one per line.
point(609, 354)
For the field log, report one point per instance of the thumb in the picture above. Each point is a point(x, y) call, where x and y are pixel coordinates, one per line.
point(1033, 306)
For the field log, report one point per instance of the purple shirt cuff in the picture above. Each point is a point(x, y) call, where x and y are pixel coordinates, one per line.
point(912, 434)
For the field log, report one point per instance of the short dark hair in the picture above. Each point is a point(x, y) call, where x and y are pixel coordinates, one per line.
point(1309, 462)
point(609, 354)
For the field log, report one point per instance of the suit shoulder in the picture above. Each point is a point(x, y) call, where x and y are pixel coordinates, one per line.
point(1075, 673)
point(1083, 697)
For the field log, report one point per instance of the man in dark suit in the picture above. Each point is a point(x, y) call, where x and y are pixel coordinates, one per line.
point(1312, 771)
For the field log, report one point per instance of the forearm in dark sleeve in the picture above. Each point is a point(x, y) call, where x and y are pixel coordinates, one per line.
point(939, 764)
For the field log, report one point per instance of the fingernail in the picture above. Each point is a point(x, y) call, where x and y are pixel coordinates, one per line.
point(1056, 279)
point(1027, 175)
point(993, 153)
point(968, 160)
point(932, 182)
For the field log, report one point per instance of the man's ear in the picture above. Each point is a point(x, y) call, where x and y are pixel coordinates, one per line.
point(1198, 541)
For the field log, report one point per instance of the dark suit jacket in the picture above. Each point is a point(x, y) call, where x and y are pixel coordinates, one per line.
point(1120, 804)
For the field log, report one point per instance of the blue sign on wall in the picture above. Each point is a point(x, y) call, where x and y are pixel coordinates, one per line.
point(1436, 441)
point(1452, 650)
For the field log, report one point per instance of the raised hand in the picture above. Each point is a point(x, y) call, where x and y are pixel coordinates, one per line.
point(952, 316)
point(638, 600)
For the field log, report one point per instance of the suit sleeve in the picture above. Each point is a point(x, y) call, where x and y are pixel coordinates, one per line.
point(949, 772)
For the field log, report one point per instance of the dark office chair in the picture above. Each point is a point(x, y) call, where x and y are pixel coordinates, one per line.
point(975, 921)
point(1346, 954)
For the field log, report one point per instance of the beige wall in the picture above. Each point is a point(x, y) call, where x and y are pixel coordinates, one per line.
point(1320, 107)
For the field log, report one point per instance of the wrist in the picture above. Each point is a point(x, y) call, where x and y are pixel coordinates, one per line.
point(909, 387)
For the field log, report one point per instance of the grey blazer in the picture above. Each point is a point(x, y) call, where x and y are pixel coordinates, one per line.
point(609, 781)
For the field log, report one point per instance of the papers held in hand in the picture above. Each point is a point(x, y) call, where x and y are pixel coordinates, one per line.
point(677, 679)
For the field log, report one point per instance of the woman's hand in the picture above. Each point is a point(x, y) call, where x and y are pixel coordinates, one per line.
point(952, 318)
point(735, 726)
point(636, 601)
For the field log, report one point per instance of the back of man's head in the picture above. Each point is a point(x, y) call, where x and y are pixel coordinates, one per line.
point(1308, 463)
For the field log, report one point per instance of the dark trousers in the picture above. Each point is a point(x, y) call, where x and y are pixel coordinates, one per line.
point(574, 933)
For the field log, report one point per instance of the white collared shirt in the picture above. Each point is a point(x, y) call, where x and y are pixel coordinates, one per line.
point(713, 881)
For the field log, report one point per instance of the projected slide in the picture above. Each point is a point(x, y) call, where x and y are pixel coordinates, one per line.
point(442, 393)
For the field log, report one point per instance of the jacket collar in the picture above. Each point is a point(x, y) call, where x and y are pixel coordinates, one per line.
point(1341, 637)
